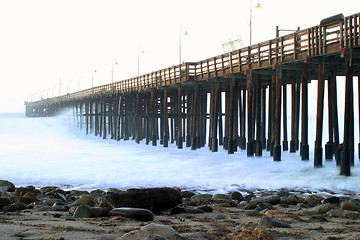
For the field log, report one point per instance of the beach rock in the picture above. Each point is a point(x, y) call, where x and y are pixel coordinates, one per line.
point(324, 208)
point(22, 199)
point(10, 208)
point(236, 196)
point(162, 230)
point(97, 192)
point(21, 191)
point(222, 196)
point(29, 194)
point(4, 201)
point(143, 235)
point(273, 212)
point(290, 200)
point(250, 233)
point(349, 206)
point(85, 200)
point(114, 190)
point(314, 199)
point(154, 199)
point(103, 202)
point(343, 214)
point(47, 189)
point(187, 194)
point(221, 205)
point(252, 213)
point(356, 201)
point(139, 214)
point(21, 206)
point(152, 231)
point(78, 192)
point(177, 210)
point(317, 218)
point(305, 212)
point(269, 221)
point(331, 200)
point(99, 211)
point(283, 193)
point(17, 206)
point(272, 199)
point(59, 206)
point(262, 206)
point(206, 208)
point(201, 196)
point(6, 186)
point(190, 203)
point(224, 201)
point(82, 211)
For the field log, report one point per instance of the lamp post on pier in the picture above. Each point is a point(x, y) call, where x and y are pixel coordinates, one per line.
point(112, 72)
point(92, 80)
point(180, 35)
point(142, 52)
point(250, 24)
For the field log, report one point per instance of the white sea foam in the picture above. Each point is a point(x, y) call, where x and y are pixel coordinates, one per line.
point(51, 151)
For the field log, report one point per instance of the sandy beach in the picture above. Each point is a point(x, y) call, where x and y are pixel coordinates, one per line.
point(50, 213)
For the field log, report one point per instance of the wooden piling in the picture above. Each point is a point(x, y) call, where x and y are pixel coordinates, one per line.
point(242, 104)
point(329, 146)
point(304, 116)
point(263, 117)
point(165, 120)
point(231, 117)
point(345, 154)
point(250, 143)
point(215, 117)
point(179, 119)
point(285, 138)
point(257, 97)
point(293, 116)
point(277, 146)
point(319, 116)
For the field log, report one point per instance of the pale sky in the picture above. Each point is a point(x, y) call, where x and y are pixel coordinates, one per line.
point(45, 41)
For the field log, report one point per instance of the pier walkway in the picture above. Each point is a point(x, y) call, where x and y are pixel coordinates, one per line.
point(235, 99)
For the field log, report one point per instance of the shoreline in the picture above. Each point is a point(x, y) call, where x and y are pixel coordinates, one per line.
point(50, 213)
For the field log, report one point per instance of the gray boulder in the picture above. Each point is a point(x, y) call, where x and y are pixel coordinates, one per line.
point(154, 199)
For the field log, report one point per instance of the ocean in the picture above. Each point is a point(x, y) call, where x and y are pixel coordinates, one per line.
point(54, 152)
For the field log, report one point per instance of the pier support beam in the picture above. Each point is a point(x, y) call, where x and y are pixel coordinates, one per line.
point(179, 140)
point(215, 117)
point(250, 143)
point(257, 98)
point(165, 120)
point(231, 117)
point(304, 151)
point(242, 105)
point(277, 122)
point(319, 116)
point(345, 154)
point(285, 138)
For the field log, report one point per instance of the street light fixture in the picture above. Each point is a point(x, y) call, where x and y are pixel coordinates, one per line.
point(250, 24)
point(180, 35)
point(112, 72)
point(92, 80)
point(142, 52)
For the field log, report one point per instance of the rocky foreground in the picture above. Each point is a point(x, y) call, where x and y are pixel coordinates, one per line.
point(169, 213)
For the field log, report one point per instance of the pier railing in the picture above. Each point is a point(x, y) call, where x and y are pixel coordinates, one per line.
point(298, 46)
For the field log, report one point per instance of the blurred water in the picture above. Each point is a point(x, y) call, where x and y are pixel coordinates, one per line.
point(51, 151)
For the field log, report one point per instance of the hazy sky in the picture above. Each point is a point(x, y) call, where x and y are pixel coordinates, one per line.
point(43, 42)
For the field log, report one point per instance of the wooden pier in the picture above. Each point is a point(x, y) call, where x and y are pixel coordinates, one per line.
point(234, 100)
